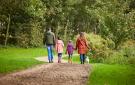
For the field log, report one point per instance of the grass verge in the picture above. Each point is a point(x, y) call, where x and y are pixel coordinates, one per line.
point(104, 74)
point(13, 59)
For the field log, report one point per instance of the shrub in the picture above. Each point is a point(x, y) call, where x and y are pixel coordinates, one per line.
point(103, 51)
point(126, 55)
point(128, 48)
point(116, 58)
point(23, 40)
point(100, 46)
point(131, 61)
point(30, 35)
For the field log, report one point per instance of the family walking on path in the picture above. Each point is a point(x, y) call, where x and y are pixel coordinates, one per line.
point(50, 42)
point(54, 74)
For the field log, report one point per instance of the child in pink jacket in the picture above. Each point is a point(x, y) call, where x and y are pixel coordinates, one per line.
point(59, 48)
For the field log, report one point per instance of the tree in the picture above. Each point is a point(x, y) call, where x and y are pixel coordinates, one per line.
point(17, 13)
point(113, 23)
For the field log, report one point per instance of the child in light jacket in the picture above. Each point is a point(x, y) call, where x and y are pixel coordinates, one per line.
point(59, 48)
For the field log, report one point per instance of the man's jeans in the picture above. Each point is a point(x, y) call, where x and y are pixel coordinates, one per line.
point(50, 53)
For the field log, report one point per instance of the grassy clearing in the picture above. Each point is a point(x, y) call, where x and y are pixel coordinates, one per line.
point(12, 59)
point(104, 74)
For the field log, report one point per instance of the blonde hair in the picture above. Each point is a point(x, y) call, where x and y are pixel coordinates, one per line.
point(82, 35)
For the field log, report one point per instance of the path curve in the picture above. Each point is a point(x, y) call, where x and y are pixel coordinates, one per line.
point(50, 74)
point(45, 58)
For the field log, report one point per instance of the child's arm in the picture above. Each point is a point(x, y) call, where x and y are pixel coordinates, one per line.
point(73, 48)
point(63, 44)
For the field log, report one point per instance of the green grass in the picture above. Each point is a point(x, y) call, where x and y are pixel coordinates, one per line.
point(14, 59)
point(104, 74)
point(75, 58)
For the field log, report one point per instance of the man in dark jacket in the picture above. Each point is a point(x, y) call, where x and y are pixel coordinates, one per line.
point(49, 41)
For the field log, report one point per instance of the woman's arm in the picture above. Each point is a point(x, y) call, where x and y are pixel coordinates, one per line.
point(76, 44)
point(86, 43)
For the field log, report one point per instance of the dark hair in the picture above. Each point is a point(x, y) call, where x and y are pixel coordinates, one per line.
point(49, 29)
point(59, 38)
point(70, 41)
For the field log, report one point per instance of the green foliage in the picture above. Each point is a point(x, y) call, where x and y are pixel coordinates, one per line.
point(129, 52)
point(113, 23)
point(116, 58)
point(25, 14)
point(128, 48)
point(36, 37)
point(131, 61)
point(102, 51)
point(23, 40)
point(117, 28)
point(30, 35)
point(100, 48)
point(113, 20)
point(126, 55)
point(97, 42)
point(35, 8)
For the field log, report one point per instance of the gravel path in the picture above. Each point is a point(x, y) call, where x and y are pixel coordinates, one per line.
point(45, 58)
point(50, 74)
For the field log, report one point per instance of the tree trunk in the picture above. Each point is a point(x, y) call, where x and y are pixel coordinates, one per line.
point(57, 30)
point(95, 30)
point(7, 32)
point(65, 31)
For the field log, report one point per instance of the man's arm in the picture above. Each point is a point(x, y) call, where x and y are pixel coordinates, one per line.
point(54, 39)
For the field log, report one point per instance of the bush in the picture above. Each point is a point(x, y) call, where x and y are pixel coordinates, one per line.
point(103, 51)
point(116, 58)
point(30, 35)
point(128, 48)
point(129, 52)
point(131, 61)
point(23, 40)
point(36, 37)
point(125, 55)
point(101, 47)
